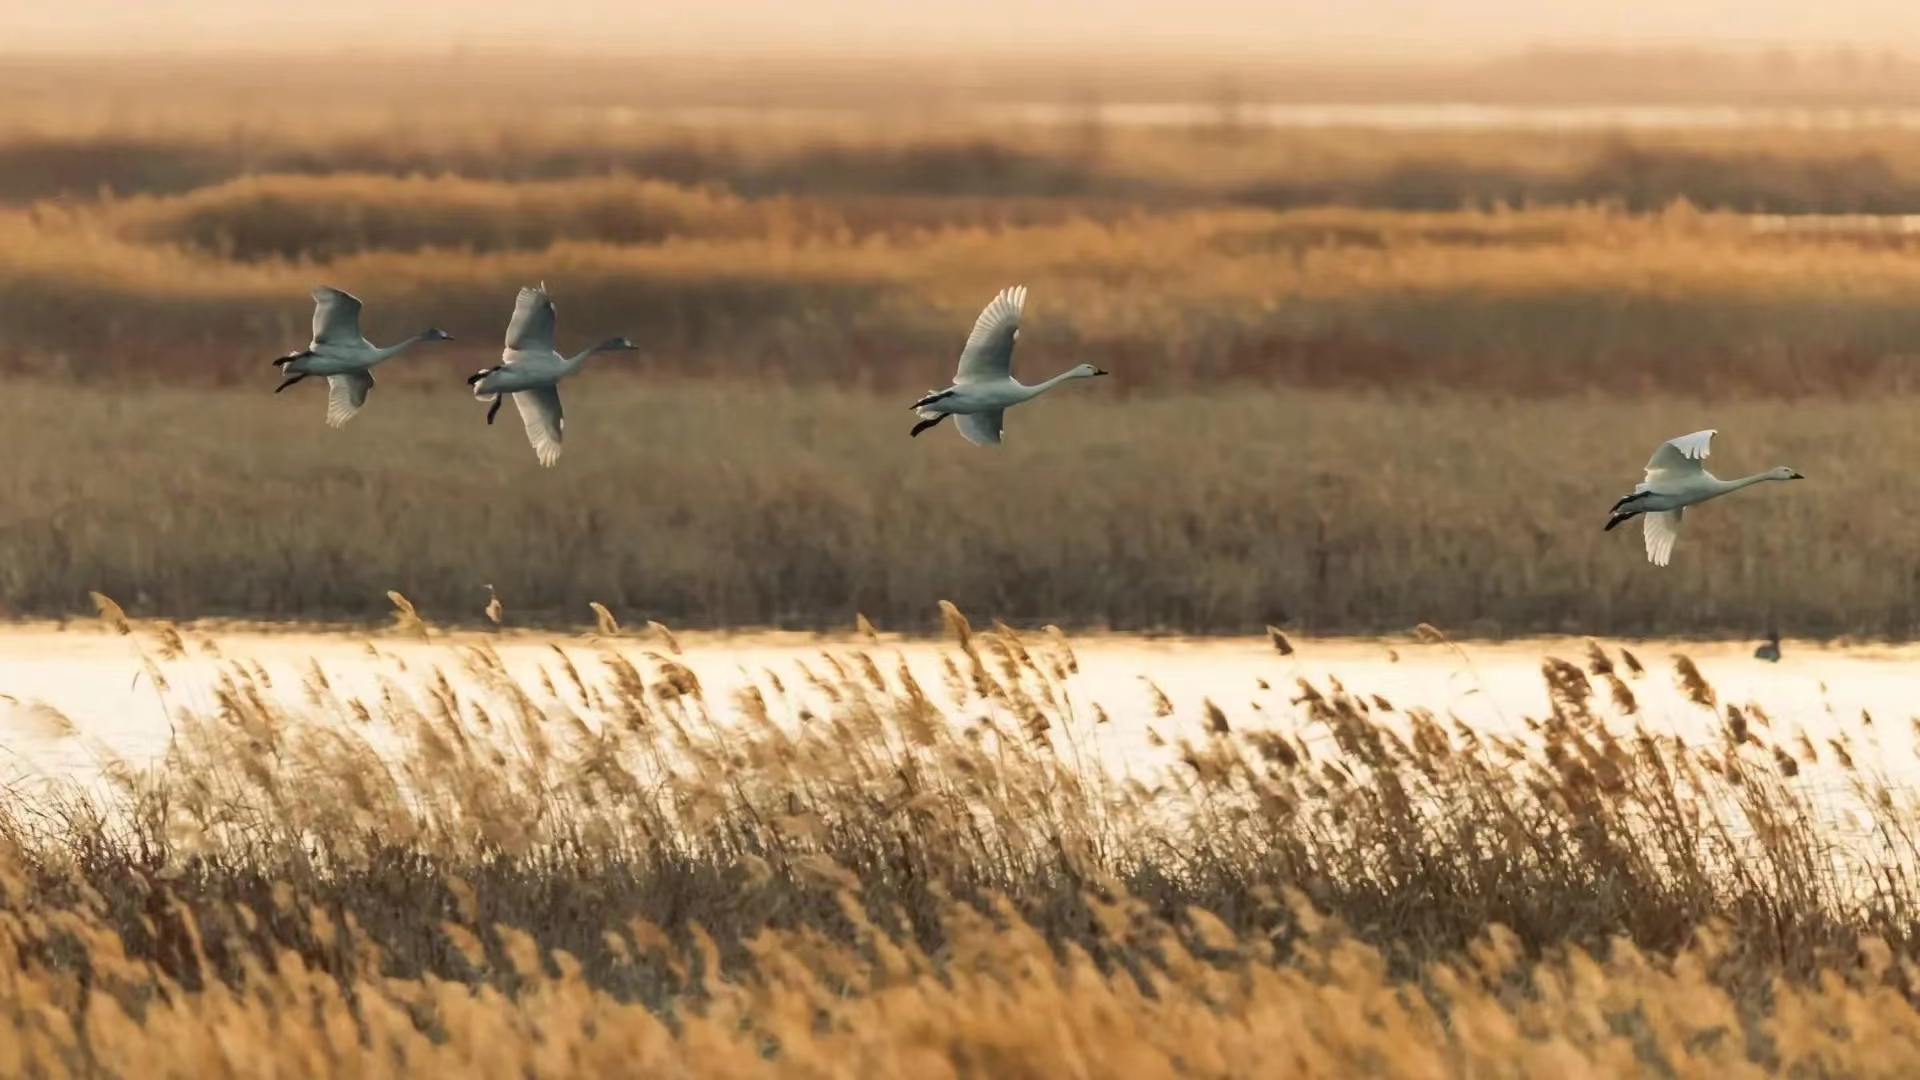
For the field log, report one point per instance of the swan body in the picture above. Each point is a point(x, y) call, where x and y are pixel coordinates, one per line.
point(1677, 478)
point(984, 388)
point(530, 371)
point(342, 355)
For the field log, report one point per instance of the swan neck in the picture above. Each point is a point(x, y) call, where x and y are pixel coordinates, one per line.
point(1039, 388)
point(1745, 481)
point(574, 363)
point(396, 349)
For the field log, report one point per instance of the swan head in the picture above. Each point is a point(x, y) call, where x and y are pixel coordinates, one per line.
point(616, 344)
point(434, 333)
point(1782, 472)
point(1087, 371)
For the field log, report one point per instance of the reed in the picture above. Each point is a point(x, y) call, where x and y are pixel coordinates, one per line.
point(725, 504)
point(845, 872)
point(205, 288)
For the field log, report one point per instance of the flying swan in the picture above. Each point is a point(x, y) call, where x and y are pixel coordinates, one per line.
point(339, 352)
point(1677, 479)
point(530, 371)
point(984, 387)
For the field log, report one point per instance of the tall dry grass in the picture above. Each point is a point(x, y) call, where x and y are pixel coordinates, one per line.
point(603, 870)
point(732, 504)
point(143, 126)
point(1534, 302)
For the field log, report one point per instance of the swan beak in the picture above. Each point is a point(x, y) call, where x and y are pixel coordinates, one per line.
point(1099, 371)
point(1796, 476)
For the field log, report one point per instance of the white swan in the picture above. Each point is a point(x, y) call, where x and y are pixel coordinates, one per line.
point(984, 387)
point(1677, 479)
point(339, 352)
point(530, 372)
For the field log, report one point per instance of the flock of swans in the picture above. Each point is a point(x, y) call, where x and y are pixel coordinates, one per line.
point(983, 389)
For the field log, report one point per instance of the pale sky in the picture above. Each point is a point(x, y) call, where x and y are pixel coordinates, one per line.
point(1385, 27)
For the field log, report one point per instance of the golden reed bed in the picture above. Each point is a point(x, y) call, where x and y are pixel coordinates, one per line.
point(604, 873)
point(723, 505)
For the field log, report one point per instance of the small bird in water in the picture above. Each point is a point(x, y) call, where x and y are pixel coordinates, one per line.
point(494, 609)
point(1769, 652)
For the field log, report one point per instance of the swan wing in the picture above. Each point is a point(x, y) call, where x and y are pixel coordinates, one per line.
point(346, 392)
point(1662, 529)
point(336, 317)
point(532, 327)
point(1681, 458)
point(988, 354)
point(546, 423)
point(981, 428)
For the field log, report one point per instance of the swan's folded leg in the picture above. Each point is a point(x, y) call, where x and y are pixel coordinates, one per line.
point(925, 424)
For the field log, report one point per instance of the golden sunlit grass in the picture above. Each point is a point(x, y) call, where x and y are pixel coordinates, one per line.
point(1521, 302)
point(730, 505)
point(174, 235)
point(845, 872)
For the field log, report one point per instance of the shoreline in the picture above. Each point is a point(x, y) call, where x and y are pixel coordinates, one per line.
point(1346, 645)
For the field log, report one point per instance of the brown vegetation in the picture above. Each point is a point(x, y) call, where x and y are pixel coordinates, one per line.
point(728, 504)
point(809, 271)
point(174, 235)
point(209, 286)
point(606, 871)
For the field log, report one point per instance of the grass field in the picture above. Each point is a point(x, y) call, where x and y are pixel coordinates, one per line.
point(172, 237)
point(726, 504)
point(1333, 417)
point(208, 287)
point(607, 871)
point(1363, 381)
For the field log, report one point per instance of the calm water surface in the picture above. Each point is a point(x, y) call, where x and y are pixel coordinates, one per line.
point(1387, 116)
point(100, 683)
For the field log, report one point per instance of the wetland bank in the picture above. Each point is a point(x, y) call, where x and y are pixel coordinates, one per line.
point(482, 855)
point(1366, 378)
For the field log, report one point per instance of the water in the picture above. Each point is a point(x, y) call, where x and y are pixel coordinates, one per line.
point(1403, 116)
point(100, 683)
point(1464, 116)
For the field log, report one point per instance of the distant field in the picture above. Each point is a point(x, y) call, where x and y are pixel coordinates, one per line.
point(728, 504)
point(208, 286)
point(821, 223)
point(1361, 378)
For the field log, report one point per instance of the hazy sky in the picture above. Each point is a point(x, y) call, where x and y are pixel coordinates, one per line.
point(1394, 27)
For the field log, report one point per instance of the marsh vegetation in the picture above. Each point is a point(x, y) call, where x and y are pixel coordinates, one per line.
point(602, 866)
